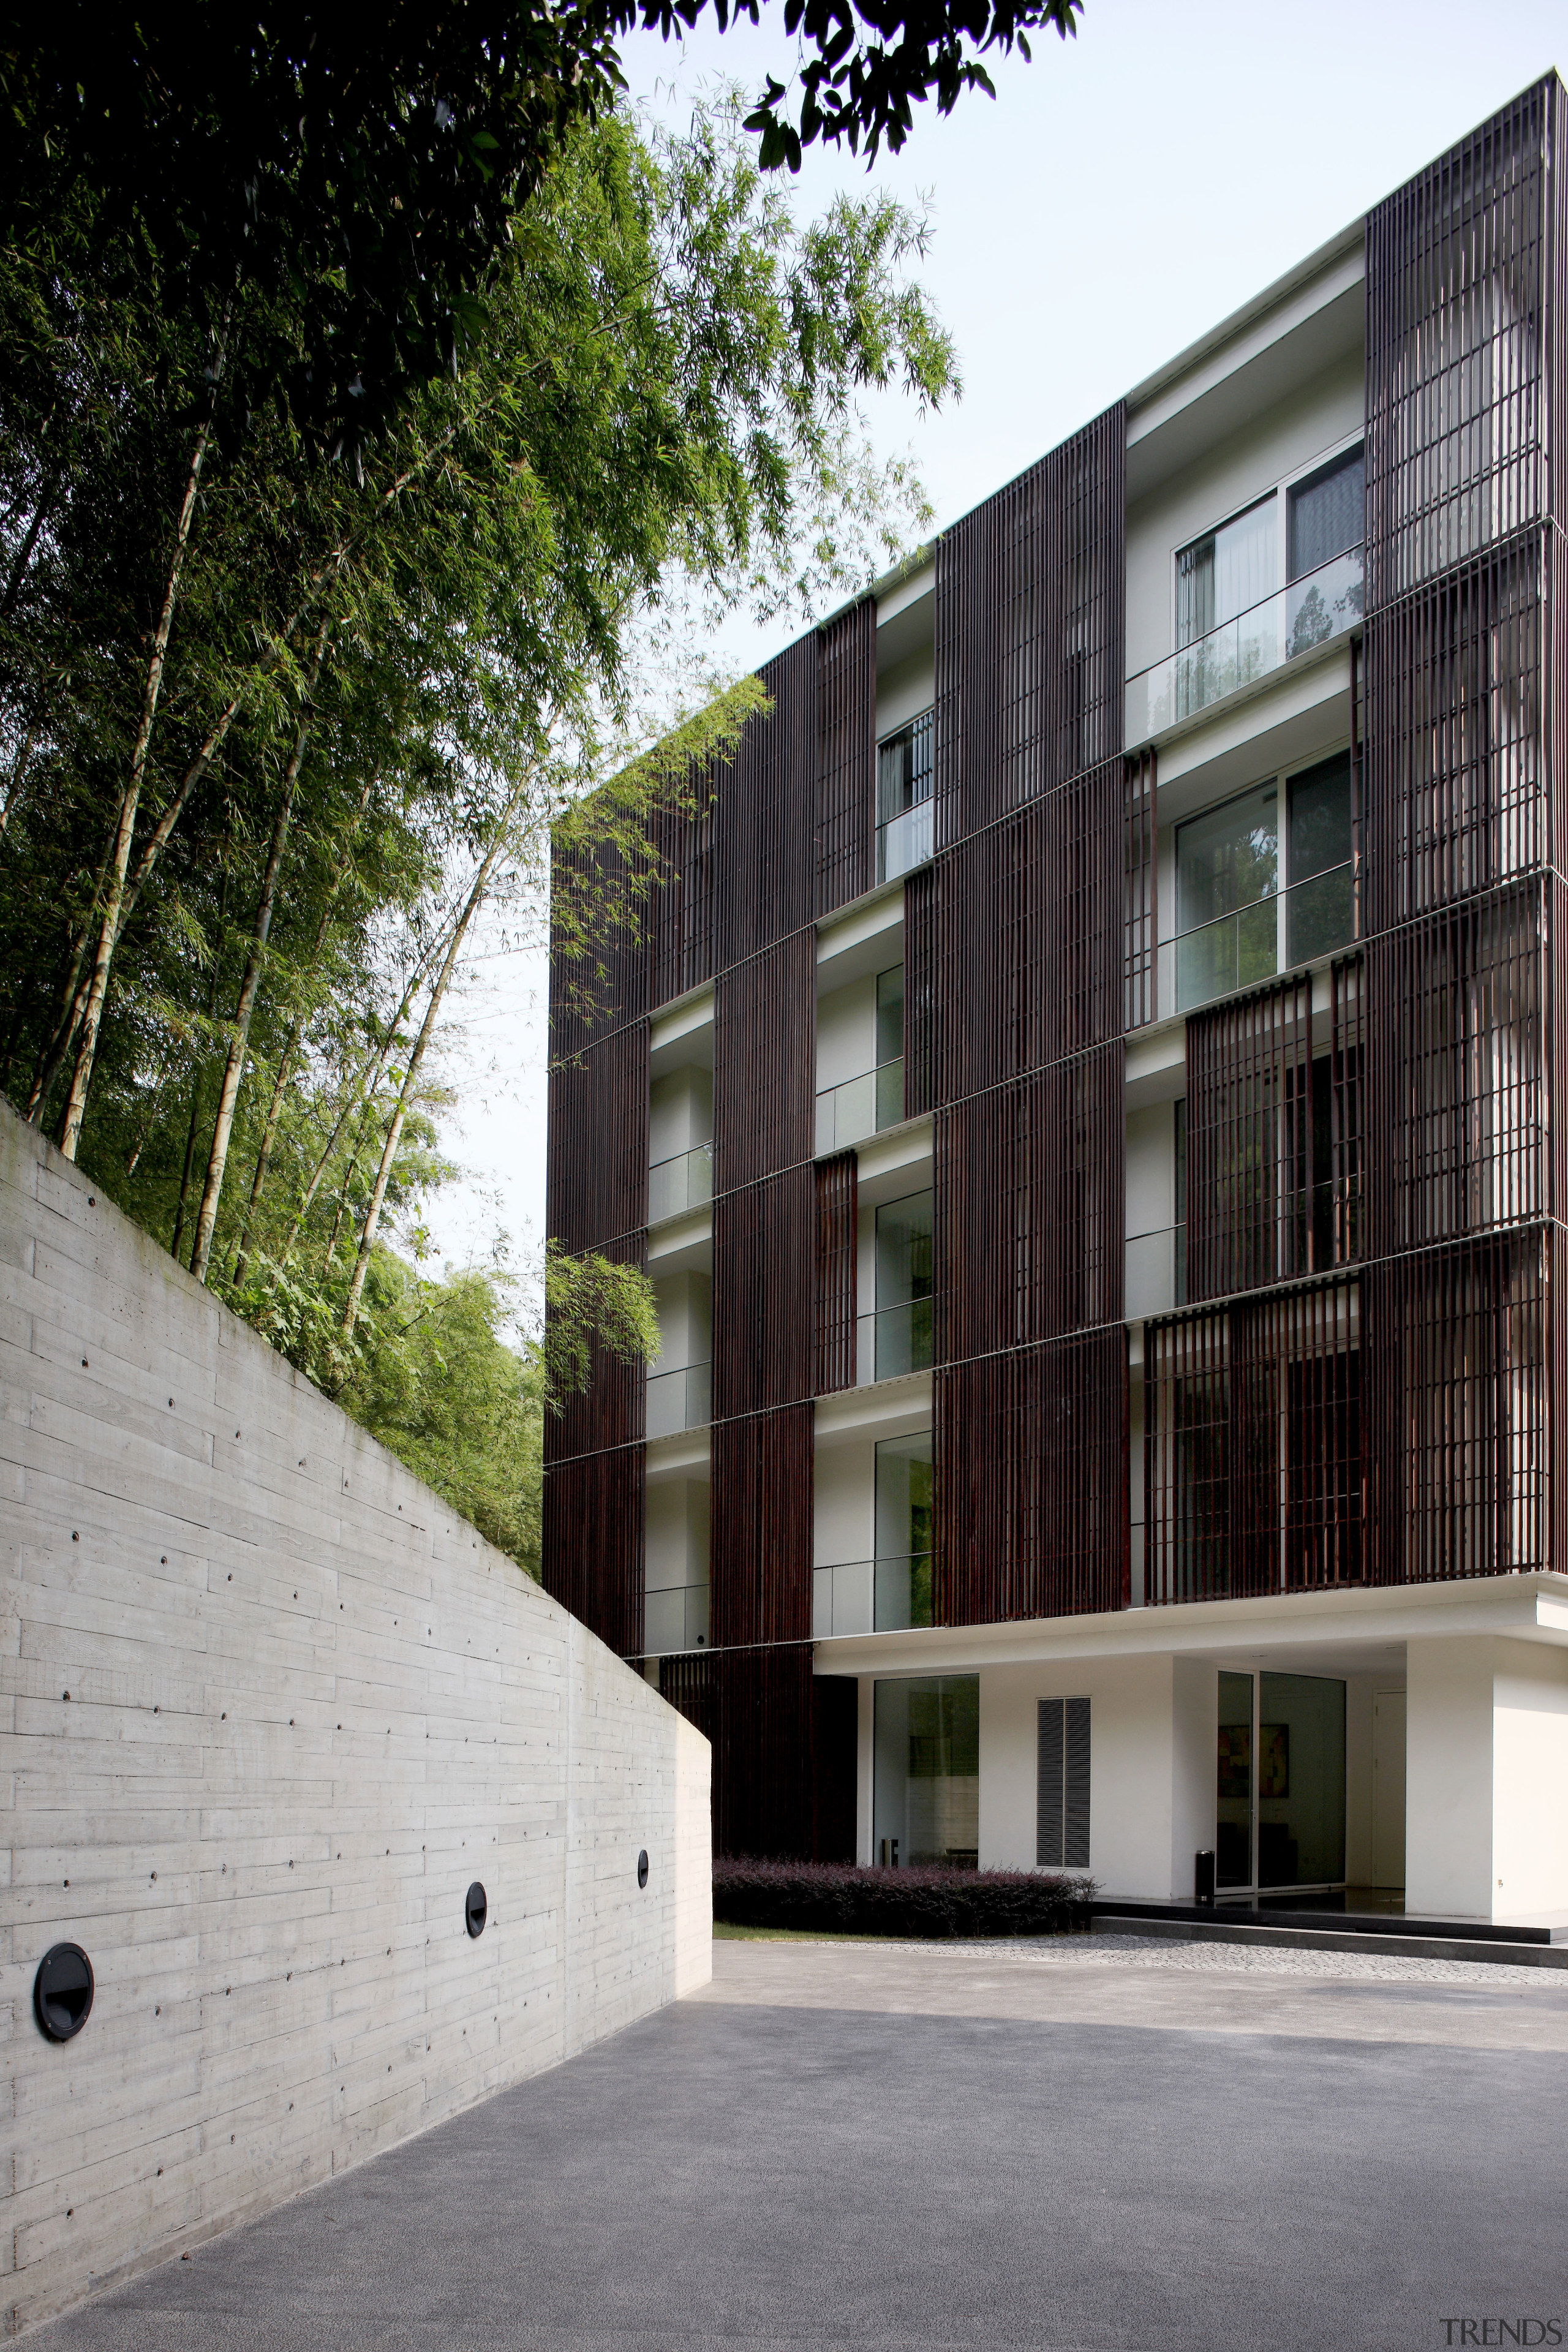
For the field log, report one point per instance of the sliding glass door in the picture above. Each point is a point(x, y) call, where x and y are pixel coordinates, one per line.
point(1279, 1792)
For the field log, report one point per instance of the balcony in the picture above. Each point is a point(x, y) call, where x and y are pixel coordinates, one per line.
point(675, 1620)
point(677, 1185)
point(1243, 651)
point(1316, 916)
point(870, 1596)
point(905, 841)
point(679, 1400)
point(860, 1108)
point(1156, 1272)
point(893, 1342)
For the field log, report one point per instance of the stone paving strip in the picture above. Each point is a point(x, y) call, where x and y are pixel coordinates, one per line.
point(1154, 1983)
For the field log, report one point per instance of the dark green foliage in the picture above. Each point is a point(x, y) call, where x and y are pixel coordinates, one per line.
point(926, 1902)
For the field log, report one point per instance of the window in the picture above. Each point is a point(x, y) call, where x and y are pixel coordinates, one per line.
point(904, 1285)
point(1249, 903)
point(889, 1017)
point(926, 1786)
point(903, 1533)
point(1227, 872)
point(1327, 514)
point(1061, 1827)
point(905, 764)
point(1320, 914)
point(1227, 571)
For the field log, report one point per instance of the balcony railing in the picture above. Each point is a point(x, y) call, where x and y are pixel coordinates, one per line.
point(1243, 651)
point(870, 1596)
point(860, 1106)
point(905, 841)
point(894, 1340)
point(1243, 949)
point(680, 1183)
point(679, 1400)
point(1156, 1272)
point(675, 1620)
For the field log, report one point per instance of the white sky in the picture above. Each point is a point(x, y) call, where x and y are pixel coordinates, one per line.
point(1122, 194)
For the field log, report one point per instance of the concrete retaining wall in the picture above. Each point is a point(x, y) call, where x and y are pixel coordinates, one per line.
point(307, 1706)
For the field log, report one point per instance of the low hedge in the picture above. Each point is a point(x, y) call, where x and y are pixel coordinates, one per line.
point(924, 1900)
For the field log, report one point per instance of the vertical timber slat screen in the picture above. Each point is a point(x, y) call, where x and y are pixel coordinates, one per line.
point(764, 1064)
point(1140, 886)
point(593, 1547)
point(1253, 1446)
point(837, 1200)
point(1030, 625)
point(765, 858)
point(1030, 1208)
point(1249, 1140)
point(847, 764)
point(681, 920)
point(597, 1155)
point(762, 1527)
point(1458, 304)
point(919, 949)
point(1458, 1093)
point(1465, 1357)
point(765, 1286)
point(1457, 790)
point(1030, 1450)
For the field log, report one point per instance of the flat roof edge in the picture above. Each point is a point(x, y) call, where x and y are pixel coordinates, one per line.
point(1257, 307)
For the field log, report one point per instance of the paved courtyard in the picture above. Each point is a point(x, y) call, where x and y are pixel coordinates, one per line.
point(1106, 2143)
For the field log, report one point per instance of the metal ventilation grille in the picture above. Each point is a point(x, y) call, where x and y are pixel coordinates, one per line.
point(1062, 1814)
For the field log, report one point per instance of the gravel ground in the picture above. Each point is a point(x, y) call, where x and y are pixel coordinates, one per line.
point(1203, 1958)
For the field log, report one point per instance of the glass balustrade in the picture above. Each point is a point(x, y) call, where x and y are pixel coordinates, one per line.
point(860, 1108)
point(905, 841)
point(1289, 927)
point(870, 1596)
point(1156, 1272)
point(1245, 650)
point(682, 1182)
point(679, 1400)
point(675, 1620)
point(894, 1340)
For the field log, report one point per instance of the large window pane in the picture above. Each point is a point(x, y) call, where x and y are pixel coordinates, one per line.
point(889, 1015)
point(1321, 908)
point(926, 1791)
point(1328, 514)
point(903, 1532)
point(904, 1285)
point(1233, 1793)
point(1227, 858)
point(904, 769)
point(1227, 573)
point(1301, 1780)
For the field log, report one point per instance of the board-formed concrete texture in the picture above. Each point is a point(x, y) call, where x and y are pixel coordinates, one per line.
point(267, 1707)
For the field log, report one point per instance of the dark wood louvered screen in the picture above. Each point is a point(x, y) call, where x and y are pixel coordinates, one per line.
point(765, 855)
point(1030, 623)
point(1030, 1208)
point(1141, 891)
point(778, 1749)
point(1063, 1764)
point(762, 1527)
point(593, 1543)
point(1249, 1140)
point(596, 1155)
point(1459, 1075)
point(680, 913)
point(1465, 1361)
point(837, 1204)
point(847, 761)
point(919, 951)
point(765, 1286)
point(764, 1064)
point(1030, 1511)
point(1464, 360)
point(1457, 786)
point(1254, 1461)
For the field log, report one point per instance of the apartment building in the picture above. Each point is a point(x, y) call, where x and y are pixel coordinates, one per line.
point(1087, 1099)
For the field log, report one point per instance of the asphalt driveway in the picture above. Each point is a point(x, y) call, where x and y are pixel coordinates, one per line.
point(969, 2151)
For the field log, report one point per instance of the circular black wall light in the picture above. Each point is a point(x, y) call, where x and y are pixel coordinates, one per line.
point(642, 1867)
point(62, 1991)
point(475, 1910)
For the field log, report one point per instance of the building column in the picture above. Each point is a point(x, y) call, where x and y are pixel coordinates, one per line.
point(1486, 1763)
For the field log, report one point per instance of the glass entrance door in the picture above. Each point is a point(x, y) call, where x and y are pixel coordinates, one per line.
point(1280, 1795)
